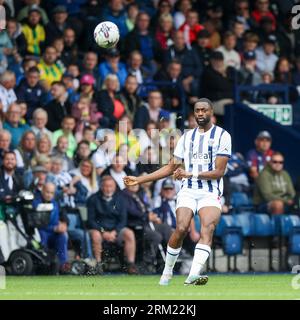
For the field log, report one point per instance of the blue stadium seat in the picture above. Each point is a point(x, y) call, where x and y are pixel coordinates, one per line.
point(288, 222)
point(225, 221)
point(232, 241)
point(261, 225)
point(243, 220)
point(294, 241)
point(239, 199)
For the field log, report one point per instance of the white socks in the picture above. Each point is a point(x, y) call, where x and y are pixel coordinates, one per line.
point(171, 258)
point(201, 254)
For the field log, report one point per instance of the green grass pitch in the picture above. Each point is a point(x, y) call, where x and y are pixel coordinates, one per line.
point(121, 287)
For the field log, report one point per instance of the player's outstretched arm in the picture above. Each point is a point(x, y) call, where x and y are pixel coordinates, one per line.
point(161, 173)
point(218, 172)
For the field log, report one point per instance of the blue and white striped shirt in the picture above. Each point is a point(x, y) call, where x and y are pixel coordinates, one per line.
point(199, 151)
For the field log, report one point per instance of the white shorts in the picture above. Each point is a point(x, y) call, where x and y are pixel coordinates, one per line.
point(196, 199)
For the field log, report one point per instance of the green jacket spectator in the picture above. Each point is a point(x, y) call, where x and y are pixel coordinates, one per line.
point(274, 185)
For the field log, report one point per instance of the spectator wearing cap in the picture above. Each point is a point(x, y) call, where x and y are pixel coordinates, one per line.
point(151, 111)
point(50, 69)
point(274, 191)
point(59, 23)
point(265, 55)
point(166, 211)
point(135, 67)
point(115, 12)
point(58, 107)
point(141, 39)
point(191, 64)
point(35, 178)
point(191, 27)
point(112, 65)
point(231, 56)
point(217, 82)
point(23, 13)
point(7, 93)
point(203, 47)
point(30, 91)
point(249, 72)
point(257, 158)
point(34, 31)
point(262, 10)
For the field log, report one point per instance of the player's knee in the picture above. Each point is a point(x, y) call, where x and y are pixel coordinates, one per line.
point(182, 230)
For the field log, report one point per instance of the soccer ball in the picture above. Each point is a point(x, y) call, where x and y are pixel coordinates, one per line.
point(106, 34)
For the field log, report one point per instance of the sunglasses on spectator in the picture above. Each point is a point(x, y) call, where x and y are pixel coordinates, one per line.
point(277, 162)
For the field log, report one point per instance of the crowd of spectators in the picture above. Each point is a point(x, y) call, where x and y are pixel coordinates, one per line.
point(60, 93)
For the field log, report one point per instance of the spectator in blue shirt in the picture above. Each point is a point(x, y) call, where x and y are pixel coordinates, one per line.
point(112, 65)
point(30, 91)
point(55, 234)
point(116, 13)
point(14, 126)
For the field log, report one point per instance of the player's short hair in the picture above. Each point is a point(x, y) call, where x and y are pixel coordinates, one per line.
point(206, 101)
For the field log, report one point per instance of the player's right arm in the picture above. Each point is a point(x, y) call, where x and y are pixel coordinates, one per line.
point(161, 173)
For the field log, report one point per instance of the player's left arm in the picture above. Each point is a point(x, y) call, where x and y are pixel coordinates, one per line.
point(217, 173)
point(222, 157)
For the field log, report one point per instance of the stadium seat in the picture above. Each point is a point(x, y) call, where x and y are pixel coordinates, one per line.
point(294, 241)
point(232, 241)
point(243, 220)
point(225, 221)
point(261, 225)
point(240, 201)
point(287, 223)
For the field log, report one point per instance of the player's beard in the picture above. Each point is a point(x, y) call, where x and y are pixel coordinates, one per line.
point(203, 122)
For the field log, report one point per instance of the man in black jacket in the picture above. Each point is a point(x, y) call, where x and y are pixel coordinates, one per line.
point(58, 107)
point(10, 182)
point(30, 91)
point(191, 64)
point(107, 218)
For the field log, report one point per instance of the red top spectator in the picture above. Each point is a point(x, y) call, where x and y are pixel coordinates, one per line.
point(262, 10)
point(191, 27)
